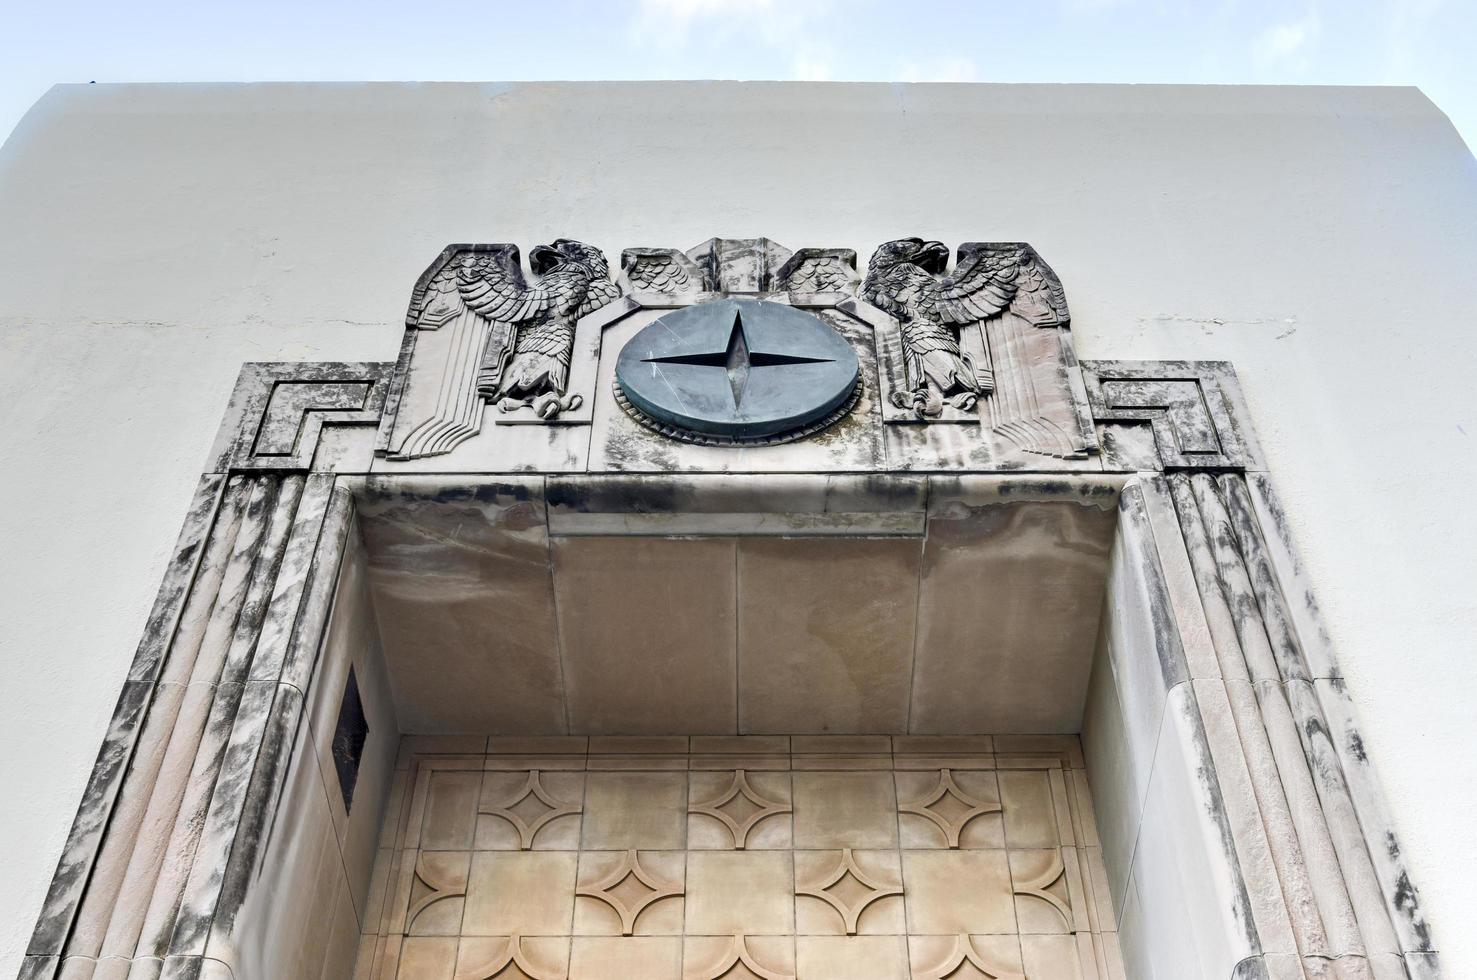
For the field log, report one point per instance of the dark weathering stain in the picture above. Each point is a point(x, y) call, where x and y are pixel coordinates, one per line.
point(1406, 900)
point(1356, 747)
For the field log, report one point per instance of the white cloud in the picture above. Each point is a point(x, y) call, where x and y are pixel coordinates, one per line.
point(811, 65)
point(950, 68)
point(1287, 44)
point(775, 22)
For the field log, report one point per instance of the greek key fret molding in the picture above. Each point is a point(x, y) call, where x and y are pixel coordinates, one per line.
point(1193, 409)
point(278, 410)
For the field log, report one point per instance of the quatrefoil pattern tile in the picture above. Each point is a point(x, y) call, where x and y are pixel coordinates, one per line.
point(523, 807)
point(937, 810)
point(843, 886)
point(736, 858)
point(739, 809)
point(621, 890)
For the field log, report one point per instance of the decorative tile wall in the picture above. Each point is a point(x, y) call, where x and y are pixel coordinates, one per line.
point(799, 857)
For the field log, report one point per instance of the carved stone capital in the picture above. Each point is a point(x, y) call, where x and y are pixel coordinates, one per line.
point(1192, 410)
point(278, 410)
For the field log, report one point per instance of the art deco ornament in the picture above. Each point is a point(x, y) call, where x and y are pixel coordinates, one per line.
point(906, 280)
point(737, 372)
point(508, 341)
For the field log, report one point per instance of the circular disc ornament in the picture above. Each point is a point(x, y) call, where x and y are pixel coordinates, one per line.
point(738, 371)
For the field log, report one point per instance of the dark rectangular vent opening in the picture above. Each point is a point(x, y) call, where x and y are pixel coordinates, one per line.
point(349, 736)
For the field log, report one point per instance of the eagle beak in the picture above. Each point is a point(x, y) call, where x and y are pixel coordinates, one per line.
point(543, 258)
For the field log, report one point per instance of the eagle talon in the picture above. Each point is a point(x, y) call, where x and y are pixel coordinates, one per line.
point(547, 406)
point(927, 404)
point(965, 401)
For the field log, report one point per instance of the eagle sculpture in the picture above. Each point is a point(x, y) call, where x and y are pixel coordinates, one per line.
point(906, 279)
point(526, 361)
point(492, 335)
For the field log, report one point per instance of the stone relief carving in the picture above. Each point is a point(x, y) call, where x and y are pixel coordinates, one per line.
point(1191, 409)
point(847, 888)
point(278, 411)
point(986, 341)
point(746, 265)
point(962, 960)
point(731, 962)
point(948, 807)
point(438, 877)
point(821, 271)
point(663, 271)
point(531, 809)
point(1047, 883)
point(498, 957)
point(905, 278)
point(495, 337)
point(629, 889)
point(740, 808)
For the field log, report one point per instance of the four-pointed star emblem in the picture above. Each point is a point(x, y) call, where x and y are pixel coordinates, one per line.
point(737, 358)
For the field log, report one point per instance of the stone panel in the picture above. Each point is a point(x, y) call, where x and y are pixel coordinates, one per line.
point(1012, 582)
point(647, 630)
point(465, 604)
point(825, 634)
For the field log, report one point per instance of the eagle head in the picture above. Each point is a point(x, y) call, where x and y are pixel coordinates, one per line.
point(564, 251)
point(932, 257)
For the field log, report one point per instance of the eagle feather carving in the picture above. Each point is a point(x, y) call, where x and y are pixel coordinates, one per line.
point(526, 361)
point(502, 338)
point(906, 278)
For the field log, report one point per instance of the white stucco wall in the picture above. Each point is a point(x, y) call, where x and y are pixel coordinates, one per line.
point(1325, 240)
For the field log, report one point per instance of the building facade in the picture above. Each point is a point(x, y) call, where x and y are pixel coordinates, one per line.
point(834, 603)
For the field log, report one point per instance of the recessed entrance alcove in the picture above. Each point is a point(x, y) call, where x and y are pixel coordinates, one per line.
point(704, 726)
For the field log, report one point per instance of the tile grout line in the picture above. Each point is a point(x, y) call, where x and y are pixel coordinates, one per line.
point(1067, 799)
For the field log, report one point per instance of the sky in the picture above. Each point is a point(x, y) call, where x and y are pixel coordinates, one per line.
point(1428, 43)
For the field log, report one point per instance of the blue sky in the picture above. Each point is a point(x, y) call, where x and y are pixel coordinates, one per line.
point(1430, 43)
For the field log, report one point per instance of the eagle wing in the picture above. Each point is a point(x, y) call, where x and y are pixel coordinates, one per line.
point(601, 293)
point(992, 277)
point(467, 304)
point(995, 278)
